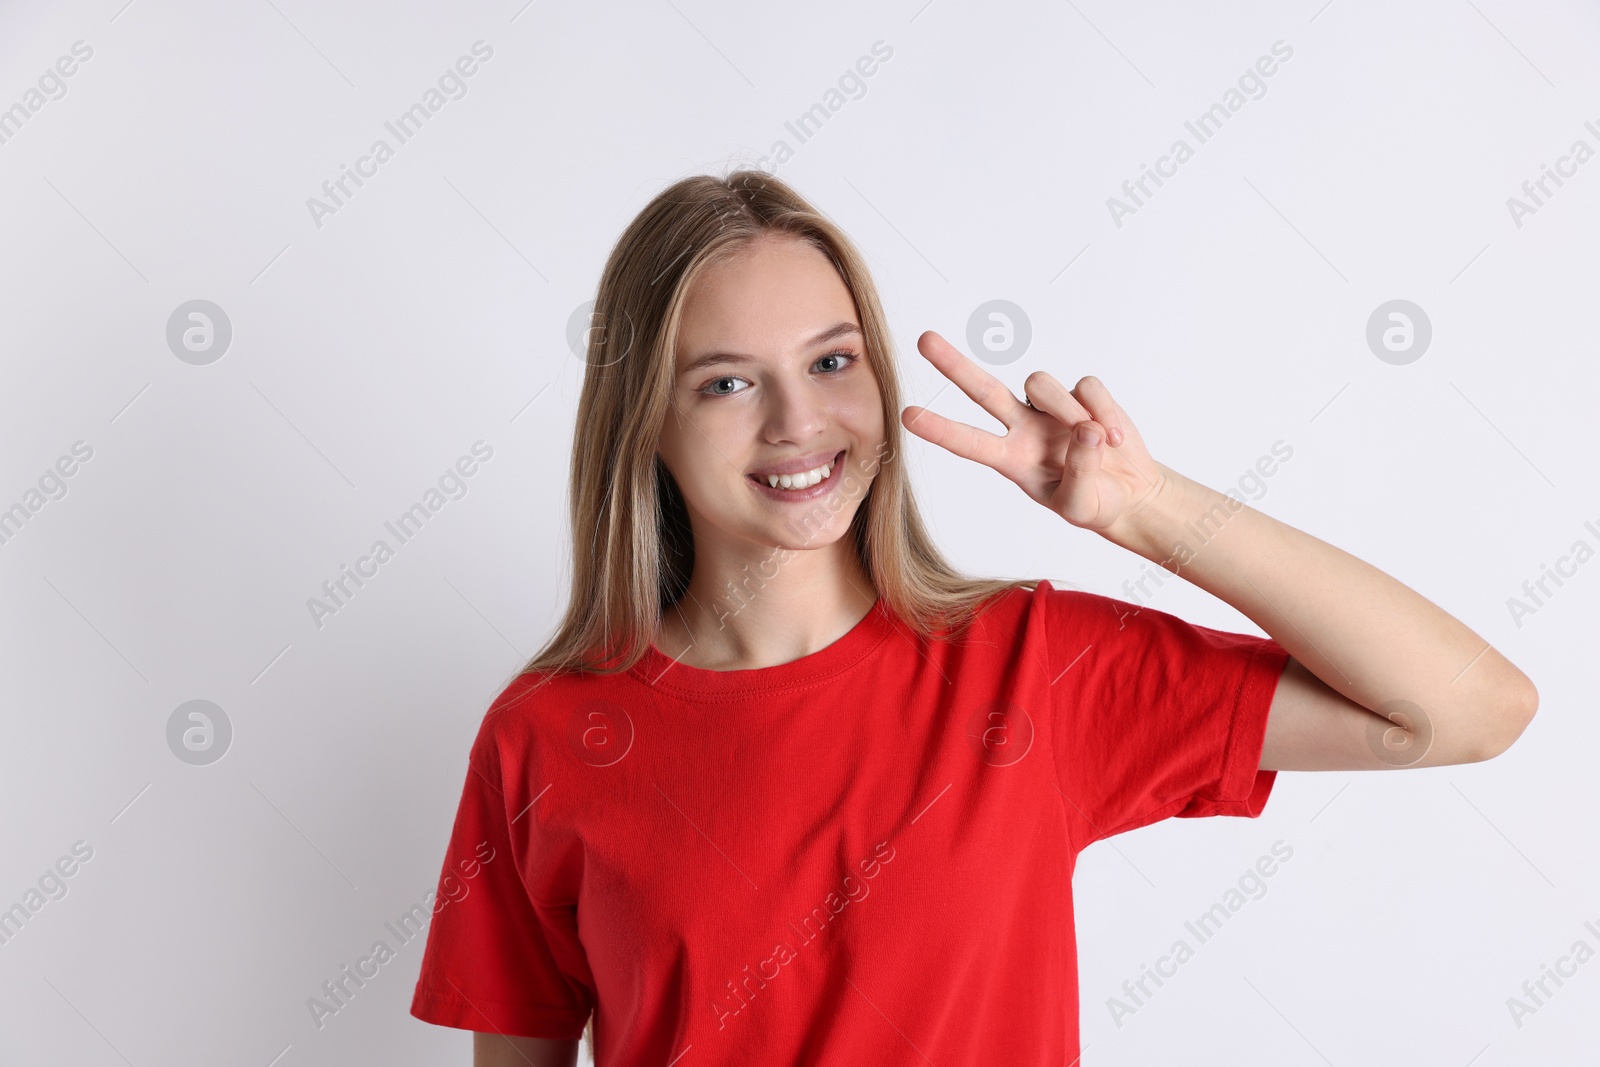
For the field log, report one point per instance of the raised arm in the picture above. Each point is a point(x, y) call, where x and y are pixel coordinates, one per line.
point(1379, 676)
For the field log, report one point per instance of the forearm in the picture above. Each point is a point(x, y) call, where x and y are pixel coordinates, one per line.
point(1364, 634)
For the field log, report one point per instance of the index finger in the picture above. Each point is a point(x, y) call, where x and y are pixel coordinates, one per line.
point(987, 391)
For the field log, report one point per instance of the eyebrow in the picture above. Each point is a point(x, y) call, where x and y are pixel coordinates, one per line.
point(839, 329)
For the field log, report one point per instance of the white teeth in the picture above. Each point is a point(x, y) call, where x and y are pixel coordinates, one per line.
point(804, 480)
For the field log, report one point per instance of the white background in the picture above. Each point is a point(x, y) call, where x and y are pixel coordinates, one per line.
point(431, 311)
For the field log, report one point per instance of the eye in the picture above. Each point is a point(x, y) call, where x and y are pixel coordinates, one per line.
point(711, 387)
point(840, 354)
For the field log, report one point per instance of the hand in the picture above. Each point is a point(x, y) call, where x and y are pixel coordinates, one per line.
point(1101, 484)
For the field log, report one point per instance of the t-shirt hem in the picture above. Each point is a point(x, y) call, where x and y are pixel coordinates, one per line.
point(446, 1007)
point(1244, 786)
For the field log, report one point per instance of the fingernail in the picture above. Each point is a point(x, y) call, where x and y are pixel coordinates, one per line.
point(1114, 435)
point(1088, 434)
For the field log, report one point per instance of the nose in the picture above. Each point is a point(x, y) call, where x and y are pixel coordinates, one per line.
point(796, 410)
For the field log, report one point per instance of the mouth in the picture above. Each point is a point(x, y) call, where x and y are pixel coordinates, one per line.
point(810, 492)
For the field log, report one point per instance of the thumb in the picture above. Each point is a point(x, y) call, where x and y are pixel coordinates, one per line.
point(1078, 493)
point(1085, 450)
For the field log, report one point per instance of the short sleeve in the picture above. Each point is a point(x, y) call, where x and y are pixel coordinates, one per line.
point(495, 960)
point(1154, 716)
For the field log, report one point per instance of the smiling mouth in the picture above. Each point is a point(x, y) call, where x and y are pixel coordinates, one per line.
point(815, 478)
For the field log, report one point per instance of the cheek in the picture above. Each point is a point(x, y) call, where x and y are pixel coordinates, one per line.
point(699, 453)
point(862, 410)
point(713, 478)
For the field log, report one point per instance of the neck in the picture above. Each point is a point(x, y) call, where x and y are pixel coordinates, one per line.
point(744, 613)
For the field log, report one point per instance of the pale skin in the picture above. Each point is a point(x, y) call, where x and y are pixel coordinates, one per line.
point(788, 398)
point(798, 392)
point(1357, 638)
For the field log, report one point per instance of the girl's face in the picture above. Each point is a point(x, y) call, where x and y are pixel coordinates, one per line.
point(772, 376)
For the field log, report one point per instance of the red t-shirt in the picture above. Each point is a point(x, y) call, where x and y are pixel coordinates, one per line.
point(861, 856)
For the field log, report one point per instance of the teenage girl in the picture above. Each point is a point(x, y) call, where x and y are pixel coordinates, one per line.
point(785, 787)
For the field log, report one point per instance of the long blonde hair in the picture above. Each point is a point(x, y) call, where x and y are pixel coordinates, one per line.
point(632, 547)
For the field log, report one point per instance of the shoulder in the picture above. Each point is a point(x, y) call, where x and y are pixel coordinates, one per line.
point(533, 710)
point(1131, 635)
point(1069, 622)
point(1031, 615)
point(1082, 612)
point(1046, 605)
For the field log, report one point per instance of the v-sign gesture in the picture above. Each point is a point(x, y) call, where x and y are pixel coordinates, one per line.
point(1407, 653)
point(1056, 450)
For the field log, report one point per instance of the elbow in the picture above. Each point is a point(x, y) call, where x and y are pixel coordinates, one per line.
point(1512, 717)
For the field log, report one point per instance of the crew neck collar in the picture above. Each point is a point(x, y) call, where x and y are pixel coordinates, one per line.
point(662, 672)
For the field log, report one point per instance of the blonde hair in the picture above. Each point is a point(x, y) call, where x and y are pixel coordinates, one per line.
point(632, 547)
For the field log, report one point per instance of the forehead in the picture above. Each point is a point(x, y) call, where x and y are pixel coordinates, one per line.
point(776, 294)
